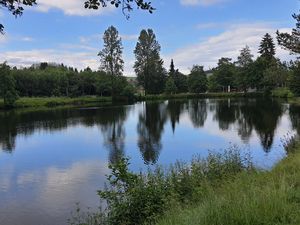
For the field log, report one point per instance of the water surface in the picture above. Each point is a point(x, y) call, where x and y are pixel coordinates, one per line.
point(49, 160)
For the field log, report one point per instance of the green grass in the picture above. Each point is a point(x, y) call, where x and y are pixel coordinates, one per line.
point(56, 101)
point(256, 197)
point(282, 93)
point(202, 95)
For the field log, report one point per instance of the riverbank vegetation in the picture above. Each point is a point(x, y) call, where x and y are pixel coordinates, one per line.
point(245, 74)
point(27, 102)
point(224, 188)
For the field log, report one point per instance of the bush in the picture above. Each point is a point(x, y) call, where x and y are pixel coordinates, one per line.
point(129, 92)
point(282, 93)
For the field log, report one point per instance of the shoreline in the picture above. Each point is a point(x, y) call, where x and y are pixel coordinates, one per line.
point(54, 102)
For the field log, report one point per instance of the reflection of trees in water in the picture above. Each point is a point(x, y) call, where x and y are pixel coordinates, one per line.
point(15, 123)
point(263, 115)
point(294, 112)
point(24, 123)
point(113, 131)
point(226, 113)
point(150, 128)
point(197, 112)
point(175, 108)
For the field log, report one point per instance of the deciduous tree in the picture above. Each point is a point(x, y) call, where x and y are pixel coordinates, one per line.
point(148, 65)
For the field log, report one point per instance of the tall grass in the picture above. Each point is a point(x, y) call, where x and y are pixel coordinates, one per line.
point(201, 95)
point(255, 198)
point(134, 199)
point(34, 102)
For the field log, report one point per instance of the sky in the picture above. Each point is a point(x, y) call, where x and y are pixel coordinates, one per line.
point(189, 31)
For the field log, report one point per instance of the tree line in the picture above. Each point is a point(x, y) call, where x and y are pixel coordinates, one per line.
point(264, 73)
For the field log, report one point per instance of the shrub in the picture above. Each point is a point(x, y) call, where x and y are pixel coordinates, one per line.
point(135, 199)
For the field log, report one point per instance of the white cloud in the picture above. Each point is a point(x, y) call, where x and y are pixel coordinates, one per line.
point(201, 2)
point(203, 26)
point(71, 7)
point(129, 37)
point(79, 60)
point(27, 39)
point(226, 44)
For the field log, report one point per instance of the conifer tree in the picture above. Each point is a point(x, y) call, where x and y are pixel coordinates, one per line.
point(267, 47)
point(291, 41)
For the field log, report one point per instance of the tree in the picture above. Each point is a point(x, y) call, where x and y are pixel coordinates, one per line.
point(16, 7)
point(7, 86)
point(172, 69)
point(275, 75)
point(295, 79)
point(244, 62)
point(197, 80)
point(225, 73)
point(180, 80)
point(148, 65)
point(267, 47)
point(245, 57)
point(111, 55)
point(170, 86)
point(291, 41)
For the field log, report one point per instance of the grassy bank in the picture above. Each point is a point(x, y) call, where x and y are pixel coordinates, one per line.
point(56, 101)
point(202, 95)
point(256, 197)
point(37, 102)
point(282, 93)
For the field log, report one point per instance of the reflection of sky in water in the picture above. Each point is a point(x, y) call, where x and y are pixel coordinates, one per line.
point(49, 171)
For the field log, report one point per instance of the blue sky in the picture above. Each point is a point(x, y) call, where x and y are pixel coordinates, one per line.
point(189, 31)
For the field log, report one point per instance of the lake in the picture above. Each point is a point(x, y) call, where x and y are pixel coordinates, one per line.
point(51, 159)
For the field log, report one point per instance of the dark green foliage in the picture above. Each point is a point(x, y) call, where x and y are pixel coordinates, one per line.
point(58, 80)
point(244, 63)
point(291, 41)
point(148, 65)
point(256, 73)
point(111, 57)
point(7, 86)
point(225, 73)
point(170, 86)
point(212, 84)
point(267, 47)
point(295, 79)
point(172, 69)
point(180, 80)
point(197, 80)
point(129, 91)
point(275, 75)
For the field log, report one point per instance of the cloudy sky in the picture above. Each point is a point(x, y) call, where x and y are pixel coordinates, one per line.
point(189, 31)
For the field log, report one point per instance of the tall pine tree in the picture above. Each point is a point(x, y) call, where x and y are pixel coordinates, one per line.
point(267, 47)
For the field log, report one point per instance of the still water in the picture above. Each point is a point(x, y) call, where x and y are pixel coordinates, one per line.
point(49, 160)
